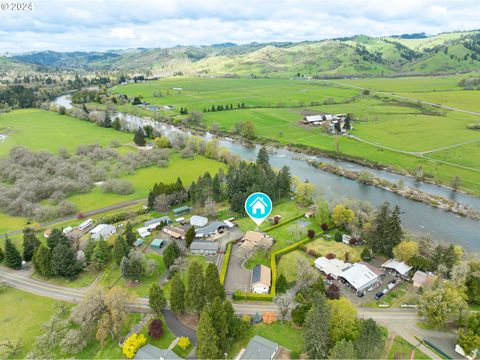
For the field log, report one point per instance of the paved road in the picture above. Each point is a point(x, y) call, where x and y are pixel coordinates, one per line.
point(177, 328)
point(400, 321)
point(86, 214)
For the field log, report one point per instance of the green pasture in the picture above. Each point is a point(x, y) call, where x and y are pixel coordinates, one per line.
point(47, 130)
point(460, 99)
point(466, 155)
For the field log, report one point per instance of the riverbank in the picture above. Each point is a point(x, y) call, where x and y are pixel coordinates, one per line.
point(400, 189)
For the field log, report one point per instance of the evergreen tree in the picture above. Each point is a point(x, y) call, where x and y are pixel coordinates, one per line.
point(370, 341)
point(316, 329)
point(129, 235)
point(394, 231)
point(13, 259)
point(343, 349)
point(195, 292)
point(56, 237)
point(120, 249)
point(156, 299)
point(41, 261)
point(30, 243)
point(281, 284)
point(177, 295)
point(102, 254)
point(190, 236)
point(219, 320)
point(64, 261)
point(89, 249)
point(386, 232)
point(207, 339)
point(170, 254)
point(263, 158)
point(2, 254)
point(213, 287)
point(139, 137)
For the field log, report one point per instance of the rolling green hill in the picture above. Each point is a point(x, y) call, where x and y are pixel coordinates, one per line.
point(356, 56)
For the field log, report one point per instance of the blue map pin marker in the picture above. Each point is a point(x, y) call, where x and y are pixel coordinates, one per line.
point(258, 206)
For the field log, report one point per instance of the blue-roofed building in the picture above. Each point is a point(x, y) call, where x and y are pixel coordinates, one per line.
point(157, 243)
point(150, 352)
point(211, 229)
point(138, 242)
point(182, 210)
point(152, 224)
point(259, 348)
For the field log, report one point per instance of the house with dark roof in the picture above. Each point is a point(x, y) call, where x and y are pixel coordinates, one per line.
point(204, 247)
point(259, 348)
point(152, 224)
point(261, 279)
point(150, 352)
point(211, 229)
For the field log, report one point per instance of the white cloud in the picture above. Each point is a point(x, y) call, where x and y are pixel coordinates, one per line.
point(109, 24)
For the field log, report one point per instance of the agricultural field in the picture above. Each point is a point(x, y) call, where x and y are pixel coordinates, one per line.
point(390, 131)
point(47, 130)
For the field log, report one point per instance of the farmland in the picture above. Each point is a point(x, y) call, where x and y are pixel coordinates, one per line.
point(392, 131)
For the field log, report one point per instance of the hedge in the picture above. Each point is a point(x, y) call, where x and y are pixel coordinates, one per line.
point(286, 222)
point(226, 259)
point(241, 295)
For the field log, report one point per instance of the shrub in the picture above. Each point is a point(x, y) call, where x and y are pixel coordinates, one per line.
point(183, 343)
point(269, 317)
point(333, 292)
point(155, 329)
point(132, 344)
point(226, 259)
point(330, 256)
point(116, 186)
point(338, 236)
point(313, 253)
point(324, 227)
point(311, 233)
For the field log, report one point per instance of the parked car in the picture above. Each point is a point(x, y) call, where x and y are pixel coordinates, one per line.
point(390, 286)
point(393, 281)
point(360, 293)
point(379, 295)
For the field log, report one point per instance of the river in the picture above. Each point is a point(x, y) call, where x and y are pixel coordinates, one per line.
point(418, 218)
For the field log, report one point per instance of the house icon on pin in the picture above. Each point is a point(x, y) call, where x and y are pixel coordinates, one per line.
point(258, 206)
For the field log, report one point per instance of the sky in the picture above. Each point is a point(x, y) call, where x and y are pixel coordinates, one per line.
point(90, 25)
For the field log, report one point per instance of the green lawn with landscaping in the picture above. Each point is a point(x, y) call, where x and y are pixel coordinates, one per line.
point(22, 316)
point(329, 246)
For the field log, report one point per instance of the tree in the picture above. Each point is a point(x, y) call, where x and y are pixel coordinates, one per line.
point(343, 320)
point(195, 291)
point(162, 203)
point(56, 236)
point(130, 237)
point(207, 339)
point(63, 261)
point(210, 207)
point(248, 130)
point(342, 349)
point(285, 303)
point(30, 243)
point(386, 231)
point(218, 315)
point(269, 317)
point(342, 216)
point(41, 261)
point(316, 329)
point(437, 305)
point(370, 341)
point(456, 182)
point(405, 250)
point(189, 236)
point(305, 192)
point(213, 287)
point(133, 266)
point(472, 282)
point(13, 259)
point(156, 299)
point(89, 249)
point(2, 254)
point(102, 254)
point(281, 284)
point(306, 274)
point(139, 137)
point(170, 254)
point(155, 329)
point(469, 334)
point(177, 295)
point(120, 249)
point(333, 292)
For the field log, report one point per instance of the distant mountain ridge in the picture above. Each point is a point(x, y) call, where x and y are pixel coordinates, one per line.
point(359, 55)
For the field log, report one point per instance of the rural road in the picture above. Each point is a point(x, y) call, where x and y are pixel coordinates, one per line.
point(400, 321)
point(86, 214)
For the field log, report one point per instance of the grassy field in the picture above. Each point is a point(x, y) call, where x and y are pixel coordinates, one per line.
point(324, 247)
point(395, 131)
point(22, 316)
point(402, 349)
point(46, 130)
point(288, 264)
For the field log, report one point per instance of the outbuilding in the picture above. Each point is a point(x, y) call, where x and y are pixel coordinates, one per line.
point(103, 231)
point(421, 279)
point(261, 279)
point(157, 243)
point(138, 243)
point(198, 221)
point(397, 267)
point(143, 232)
point(213, 228)
point(182, 210)
point(331, 267)
point(152, 224)
point(360, 276)
point(175, 232)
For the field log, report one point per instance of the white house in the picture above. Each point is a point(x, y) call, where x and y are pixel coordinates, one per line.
point(259, 206)
point(360, 276)
point(102, 230)
point(143, 232)
point(332, 267)
point(200, 221)
point(261, 279)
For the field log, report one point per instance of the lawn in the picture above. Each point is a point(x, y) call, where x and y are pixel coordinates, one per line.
point(113, 277)
point(288, 264)
point(284, 333)
point(189, 259)
point(23, 315)
point(324, 247)
point(82, 280)
point(165, 340)
point(402, 349)
point(47, 130)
